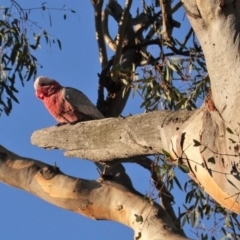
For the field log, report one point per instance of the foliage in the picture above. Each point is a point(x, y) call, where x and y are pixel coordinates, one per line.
point(207, 216)
point(20, 37)
point(177, 77)
point(207, 219)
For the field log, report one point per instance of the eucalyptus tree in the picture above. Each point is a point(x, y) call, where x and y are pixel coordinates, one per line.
point(190, 92)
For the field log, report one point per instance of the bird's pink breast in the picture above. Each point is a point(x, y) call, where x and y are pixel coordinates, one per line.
point(60, 109)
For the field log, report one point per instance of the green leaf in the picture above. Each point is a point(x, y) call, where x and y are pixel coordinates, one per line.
point(184, 168)
point(9, 102)
point(204, 149)
point(227, 222)
point(189, 196)
point(139, 218)
point(10, 93)
point(211, 160)
point(14, 53)
point(196, 143)
point(138, 236)
point(31, 71)
point(45, 34)
point(185, 219)
point(229, 130)
point(33, 46)
point(165, 153)
point(232, 140)
point(50, 19)
point(59, 44)
point(192, 218)
point(125, 82)
point(177, 182)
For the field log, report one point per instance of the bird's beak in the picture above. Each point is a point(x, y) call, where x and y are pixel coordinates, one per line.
point(39, 95)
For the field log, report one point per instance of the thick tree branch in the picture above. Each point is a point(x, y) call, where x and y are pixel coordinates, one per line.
point(113, 138)
point(94, 199)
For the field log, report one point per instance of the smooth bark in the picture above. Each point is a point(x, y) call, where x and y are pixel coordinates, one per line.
point(99, 200)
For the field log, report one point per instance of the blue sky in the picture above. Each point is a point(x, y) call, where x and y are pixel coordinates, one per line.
point(24, 216)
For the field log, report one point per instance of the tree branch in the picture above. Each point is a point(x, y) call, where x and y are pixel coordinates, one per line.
point(106, 107)
point(97, 4)
point(167, 21)
point(113, 138)
point(158, 22)
point(116, 100)
point(120, 37)
point(164, 194)
point(186, 39)
point(94, 199)
point(109, 41)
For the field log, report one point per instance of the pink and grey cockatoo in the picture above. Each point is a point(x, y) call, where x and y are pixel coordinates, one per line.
point(66, 104)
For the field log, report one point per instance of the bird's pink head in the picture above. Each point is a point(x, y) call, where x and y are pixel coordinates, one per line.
point(45, 86)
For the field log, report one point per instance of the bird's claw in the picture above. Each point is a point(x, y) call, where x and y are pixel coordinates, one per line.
point(61, 124)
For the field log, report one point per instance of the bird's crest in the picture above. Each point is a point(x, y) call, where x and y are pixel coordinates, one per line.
point(41, 81)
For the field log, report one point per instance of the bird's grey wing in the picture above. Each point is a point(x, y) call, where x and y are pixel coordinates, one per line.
point(81, 103)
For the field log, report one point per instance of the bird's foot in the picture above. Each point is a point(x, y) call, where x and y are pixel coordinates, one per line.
point(123, 117)
point(73, 123)
point(61, 124)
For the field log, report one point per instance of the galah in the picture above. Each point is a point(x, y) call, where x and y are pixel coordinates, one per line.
point(66, 104)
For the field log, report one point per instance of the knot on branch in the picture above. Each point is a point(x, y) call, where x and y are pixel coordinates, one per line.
point(49, 172)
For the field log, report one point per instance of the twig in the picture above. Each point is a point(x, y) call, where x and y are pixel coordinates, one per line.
point(108, 40)
point(97, 4)
point(186, 39)
point(166, 197)
point(167, 20)
point(121, 36)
